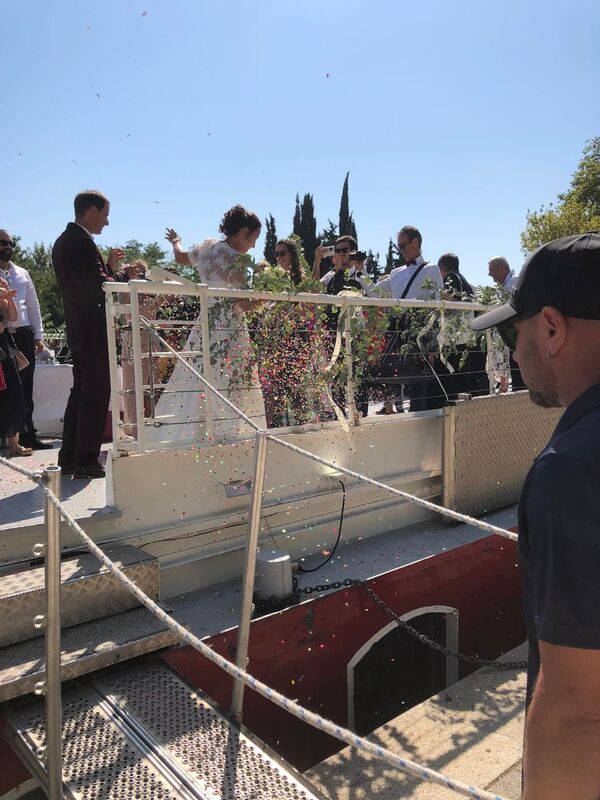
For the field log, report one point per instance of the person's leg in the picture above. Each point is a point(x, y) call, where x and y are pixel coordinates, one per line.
point(93, 406)
point(66, 453)
point(24, 340)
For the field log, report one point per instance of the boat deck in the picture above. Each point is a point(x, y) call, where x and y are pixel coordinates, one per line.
point(22, 502)
point(363, 559)
point(472, 731)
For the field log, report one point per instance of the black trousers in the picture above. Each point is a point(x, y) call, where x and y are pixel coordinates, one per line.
point(24, 340)
point(87, 407)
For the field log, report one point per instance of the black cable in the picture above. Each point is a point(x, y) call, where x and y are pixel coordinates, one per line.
point(337, 541)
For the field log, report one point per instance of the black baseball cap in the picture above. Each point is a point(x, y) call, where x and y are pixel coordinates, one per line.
point(564, 274)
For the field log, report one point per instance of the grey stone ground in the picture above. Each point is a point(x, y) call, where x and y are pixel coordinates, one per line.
point(472, 732)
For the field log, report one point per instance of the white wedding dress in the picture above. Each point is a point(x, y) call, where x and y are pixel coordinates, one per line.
point(184, 411)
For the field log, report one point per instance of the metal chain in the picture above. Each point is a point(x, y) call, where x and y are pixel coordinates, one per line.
point(421, 637)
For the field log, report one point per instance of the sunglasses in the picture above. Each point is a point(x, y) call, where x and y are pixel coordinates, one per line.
point(342, 249)
point(6, 243)
point(280, 253)
point(508, 332)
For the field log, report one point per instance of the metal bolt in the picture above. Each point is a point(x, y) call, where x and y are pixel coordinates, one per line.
point(38, 550)
point(39, 621)
point(39, 688)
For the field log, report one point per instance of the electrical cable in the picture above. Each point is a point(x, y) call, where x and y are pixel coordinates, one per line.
point(337, 541)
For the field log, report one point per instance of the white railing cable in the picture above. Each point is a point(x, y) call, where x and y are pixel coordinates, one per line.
point(447, 512)
point(344, 735)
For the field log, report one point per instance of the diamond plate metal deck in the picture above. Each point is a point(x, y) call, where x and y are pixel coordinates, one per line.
point(489, 445)
point(88, 591)
point(144, 733)
point(85, 648)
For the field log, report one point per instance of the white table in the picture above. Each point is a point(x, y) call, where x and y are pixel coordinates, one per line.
point(51, 386)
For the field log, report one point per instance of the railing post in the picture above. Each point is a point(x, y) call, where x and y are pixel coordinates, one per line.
point(52, 638)
point(489, 361)
point(209, 403)
point(136, 341)
point(349, 367)
point(113, 367)
point(260, 460)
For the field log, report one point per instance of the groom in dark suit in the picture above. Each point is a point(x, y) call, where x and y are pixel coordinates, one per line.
point(81, 271)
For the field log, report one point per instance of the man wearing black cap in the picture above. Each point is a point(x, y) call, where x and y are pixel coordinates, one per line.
point(553, 324)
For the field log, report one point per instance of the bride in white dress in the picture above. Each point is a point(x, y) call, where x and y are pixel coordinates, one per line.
point(218, 265)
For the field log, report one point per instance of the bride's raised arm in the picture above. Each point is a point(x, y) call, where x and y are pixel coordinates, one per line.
point(180, 255)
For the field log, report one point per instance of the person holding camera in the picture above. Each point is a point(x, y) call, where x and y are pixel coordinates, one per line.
point(347, 273)
point(348, 265)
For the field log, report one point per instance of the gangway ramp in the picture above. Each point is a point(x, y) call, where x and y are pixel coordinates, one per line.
point(142, 732)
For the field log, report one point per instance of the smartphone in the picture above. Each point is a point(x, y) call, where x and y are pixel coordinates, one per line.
point(328, 251)
point(360, 255)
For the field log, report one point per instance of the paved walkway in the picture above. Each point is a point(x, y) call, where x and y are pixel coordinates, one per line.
point(472, 731)
point(22, 501)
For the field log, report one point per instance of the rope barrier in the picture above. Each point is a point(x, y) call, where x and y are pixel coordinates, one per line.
point(35, 476)
point(456, 515)
point(343, 734)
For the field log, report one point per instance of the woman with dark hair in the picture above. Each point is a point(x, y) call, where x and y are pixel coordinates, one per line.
point(288, 258)
point(219, 264)
point(288, 348)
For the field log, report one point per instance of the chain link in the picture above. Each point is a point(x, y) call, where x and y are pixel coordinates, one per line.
point(421, 637)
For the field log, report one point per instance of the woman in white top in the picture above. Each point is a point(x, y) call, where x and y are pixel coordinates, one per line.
point(218, 265)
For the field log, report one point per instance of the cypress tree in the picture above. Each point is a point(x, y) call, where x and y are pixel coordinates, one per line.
point(297, 224)
point(389, 258)
point(270, 240)
point(308, 228)
point(344, 226)
point(372, 266)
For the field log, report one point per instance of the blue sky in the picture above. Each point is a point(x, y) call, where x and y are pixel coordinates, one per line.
point(455, 117)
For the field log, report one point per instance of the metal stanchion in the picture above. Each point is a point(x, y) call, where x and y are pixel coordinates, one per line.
point(53, 687)
point(260, 459)
point(349, 369)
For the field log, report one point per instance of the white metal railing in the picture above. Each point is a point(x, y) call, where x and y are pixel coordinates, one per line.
point(146, 386)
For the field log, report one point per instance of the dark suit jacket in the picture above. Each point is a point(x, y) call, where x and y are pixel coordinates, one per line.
point(81, 271)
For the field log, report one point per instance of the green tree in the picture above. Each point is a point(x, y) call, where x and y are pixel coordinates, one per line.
point(270, 240)
point(297, 222)
point(393, 258)
point(576, 211)
point(345, 216)
point(37, 260)
point(308, 228)
point(372, 266)
point(329, 234)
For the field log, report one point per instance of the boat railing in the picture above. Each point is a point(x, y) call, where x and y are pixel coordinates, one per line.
point(49, 482)
point(156, 326)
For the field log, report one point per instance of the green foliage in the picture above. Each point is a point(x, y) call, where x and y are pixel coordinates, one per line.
point(308, 228)
point(393, 258)
point(345, 217)
point(576, 210)
point(372, 266)
point(270, 240)
point(329, 234)
point(37, 260)
point(297, 222)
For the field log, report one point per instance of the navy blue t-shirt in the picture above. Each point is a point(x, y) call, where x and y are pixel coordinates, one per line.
point(559, 535)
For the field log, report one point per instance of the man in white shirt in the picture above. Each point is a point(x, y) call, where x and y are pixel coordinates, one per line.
point(27, 331)
point(499, 270)
point(415, 280)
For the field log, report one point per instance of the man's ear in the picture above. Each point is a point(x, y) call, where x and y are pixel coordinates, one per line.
point(554, 330)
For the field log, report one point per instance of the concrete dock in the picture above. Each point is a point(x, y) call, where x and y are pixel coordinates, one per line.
point(472, 731)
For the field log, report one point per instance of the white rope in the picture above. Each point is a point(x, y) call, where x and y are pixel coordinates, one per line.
point(35, 476)
point(280, 700)
point(477, 523)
